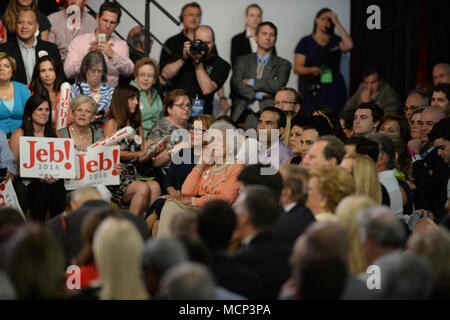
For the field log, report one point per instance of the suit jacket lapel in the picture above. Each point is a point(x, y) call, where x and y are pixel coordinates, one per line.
point(253, 65)
point(21, 73)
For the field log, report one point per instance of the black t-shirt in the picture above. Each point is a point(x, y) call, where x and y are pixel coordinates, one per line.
point(216, 68)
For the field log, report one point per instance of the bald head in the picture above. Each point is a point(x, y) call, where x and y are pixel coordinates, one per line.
point(430, 116)
point(441, 73)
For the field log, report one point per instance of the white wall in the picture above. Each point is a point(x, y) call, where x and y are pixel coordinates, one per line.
point(293, 18)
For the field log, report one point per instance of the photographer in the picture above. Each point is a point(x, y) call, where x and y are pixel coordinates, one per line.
point(199, 70)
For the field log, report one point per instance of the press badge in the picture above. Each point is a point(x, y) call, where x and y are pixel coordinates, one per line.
point(326, 76)
point(198, 106)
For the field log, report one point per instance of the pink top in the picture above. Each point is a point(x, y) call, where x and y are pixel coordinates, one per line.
point(120, 64)
point(216, 182)
point(61, 34)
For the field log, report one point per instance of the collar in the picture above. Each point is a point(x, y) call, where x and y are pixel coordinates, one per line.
point(266, 58)
point(23, 45)
point(289, 207)
point(249, 239)
point(248, 33)
point(386, 174)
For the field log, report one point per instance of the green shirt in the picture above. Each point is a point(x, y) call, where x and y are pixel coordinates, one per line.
point(152, 112)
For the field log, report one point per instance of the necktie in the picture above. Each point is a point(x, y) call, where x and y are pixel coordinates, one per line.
point(260, 69)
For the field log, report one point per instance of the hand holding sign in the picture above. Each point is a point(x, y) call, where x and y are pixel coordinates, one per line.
point(63, 106)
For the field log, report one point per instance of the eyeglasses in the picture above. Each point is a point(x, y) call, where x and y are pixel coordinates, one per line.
point(284, 102)
point(146, 75)
point(186, 105)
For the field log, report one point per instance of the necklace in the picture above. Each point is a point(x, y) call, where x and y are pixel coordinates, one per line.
point(5, 96)
point(77, 133)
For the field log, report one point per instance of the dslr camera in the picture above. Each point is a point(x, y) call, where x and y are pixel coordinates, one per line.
point(197, 47)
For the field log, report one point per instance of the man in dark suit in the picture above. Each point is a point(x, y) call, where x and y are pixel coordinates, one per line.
point(257, 77)
point(296, 216)
point(262, 252)
point(26, 48)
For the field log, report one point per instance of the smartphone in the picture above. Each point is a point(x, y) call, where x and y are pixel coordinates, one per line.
point(101, 37)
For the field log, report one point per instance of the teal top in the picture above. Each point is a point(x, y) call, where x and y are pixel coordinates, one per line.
point(151, 113)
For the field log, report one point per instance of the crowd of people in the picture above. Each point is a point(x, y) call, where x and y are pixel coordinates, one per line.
point(318, 191)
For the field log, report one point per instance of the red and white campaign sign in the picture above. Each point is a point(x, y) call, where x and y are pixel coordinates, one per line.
point(62, 110)
point(95, 167)
point(47, 156)
point(8, 197)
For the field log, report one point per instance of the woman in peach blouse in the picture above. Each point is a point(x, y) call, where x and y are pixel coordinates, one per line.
point(214, 178)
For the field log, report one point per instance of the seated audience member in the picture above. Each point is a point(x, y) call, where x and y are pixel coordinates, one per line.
point(295, 141)
point(14, 8)
point(61, 34)
point(252, 175)
point(346, 120)
point(118, 247)
point(327, 186)
point(178, 172)
point(188, 281)
point(416, 127)
point(257, 212)
point(66, 228)
point(365, 175)
point(311, 132)
point(93, 83)
point(434, 244)
point(177, 111)
point(83, 109)
point(406, 276)
point(441, 73)
point(136, 44)
point(347, 213)
point(13, 96)
point(146, 73)
point(25, 48)
point(7, 160)
point(287, 130)
point(367, 117)
point(416, 99)
point(431, 193)
point(288, 99)
point(35, 264)
point(326, 150)
point(440, 137)
point(375, 90)
point(114, 50)
point(332, 118)
point(125, 111)
point(38, 194)
point(320, 266)
point(216, 222)
point(441, 97)
point(85, 259)
point(46, 80)
point(213, 178)
point(296, 216)
point(159, 256)
point(394, 125)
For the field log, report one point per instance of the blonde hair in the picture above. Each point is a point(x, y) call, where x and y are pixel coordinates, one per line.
point(118, 248)
point(434, 244)
point(12, 61)
point(335, 183)
point(206, 119)
point(79, 100)
point(366, 177)
point(287, 129)
point(347, 213)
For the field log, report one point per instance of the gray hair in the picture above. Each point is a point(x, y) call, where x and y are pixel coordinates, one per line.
point(426, 97)
point(189, 281)
point(385, 146)
point(78, 100)
point(384, 228)
point(136, 40)
point(90, 60)
point(161, 254)
point(225, 126)
point(405, 276)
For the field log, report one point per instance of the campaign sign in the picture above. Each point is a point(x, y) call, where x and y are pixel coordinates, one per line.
point(8, 197)
point(47, 156)
point(95, 167)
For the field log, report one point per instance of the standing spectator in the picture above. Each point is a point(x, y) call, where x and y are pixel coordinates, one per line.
point(114, 50)
point(136, 43)
point(146, 73)
point(26, 48)
point(257, 77)
point(46, 80)
point(93, 83)
point(13, 96)
point(43, 194)
point(374, 89)
point(61, 34)
point(13, 10)
point(317, 62)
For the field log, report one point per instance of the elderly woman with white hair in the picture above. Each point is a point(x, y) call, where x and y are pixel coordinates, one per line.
point(215, 177)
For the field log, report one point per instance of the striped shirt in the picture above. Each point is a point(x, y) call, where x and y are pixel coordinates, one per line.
point(103, 101)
